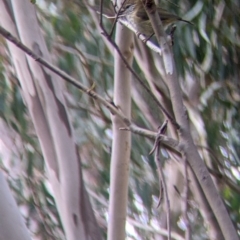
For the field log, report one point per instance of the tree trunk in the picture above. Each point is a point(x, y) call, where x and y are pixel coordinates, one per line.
point(42, 91)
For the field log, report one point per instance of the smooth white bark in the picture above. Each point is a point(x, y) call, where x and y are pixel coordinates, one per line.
point(121, 145)
point(42, 91)
point(12, 225)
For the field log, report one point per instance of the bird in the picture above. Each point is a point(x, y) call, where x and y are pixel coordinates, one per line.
point(136, 15)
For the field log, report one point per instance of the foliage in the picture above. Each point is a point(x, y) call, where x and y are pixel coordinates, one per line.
point(207, 57)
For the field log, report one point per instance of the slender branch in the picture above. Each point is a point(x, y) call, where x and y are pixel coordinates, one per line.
point(162, 183)
point(80, 54)
point(186, 139)
point(141, 36)
point(135, 223)
point(221, 175)
point(169, 143)
point(219, 163)
point(167, 114)
point(185, 201)
point(225, 180)
point(64, 75)
point(155, 230)
point(164, 186)
point(117, 18)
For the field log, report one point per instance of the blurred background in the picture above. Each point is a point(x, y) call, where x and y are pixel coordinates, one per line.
point(207, 57)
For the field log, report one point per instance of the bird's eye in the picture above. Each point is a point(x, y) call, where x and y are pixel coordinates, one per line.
point(127, 6)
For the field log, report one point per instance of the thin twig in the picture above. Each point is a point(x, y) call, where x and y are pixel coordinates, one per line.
point(64, 75)
point(162, 183)
point(216, 173)
point(164, 186)
point(116, 18)
point(141, 36)
point(185, 137)
point(185, 201)
point(215, 158)
point(161, 131)
point(226, 180)
point(169, 143)
point(136, 223)
point(167, 114)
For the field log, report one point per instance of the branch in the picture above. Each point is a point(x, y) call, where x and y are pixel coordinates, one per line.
point(64, 75)
point(186, 140)
point(169, 143)
point(185, 199)
point(156, 148)
point(142, 37)
point(167, 114)
point(147, 228)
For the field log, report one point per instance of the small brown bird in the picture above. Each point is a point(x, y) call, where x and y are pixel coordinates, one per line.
point(136, 15)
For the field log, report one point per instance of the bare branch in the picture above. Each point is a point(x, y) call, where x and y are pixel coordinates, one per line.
point(65, 76)
point(190, 149)
point(169, 143)
point(147, 228)
point(185, 201)
point(162, 183)
point(167, 114)
point(142, 37)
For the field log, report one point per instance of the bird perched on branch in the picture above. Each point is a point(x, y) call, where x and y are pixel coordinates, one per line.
point(135, 14)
